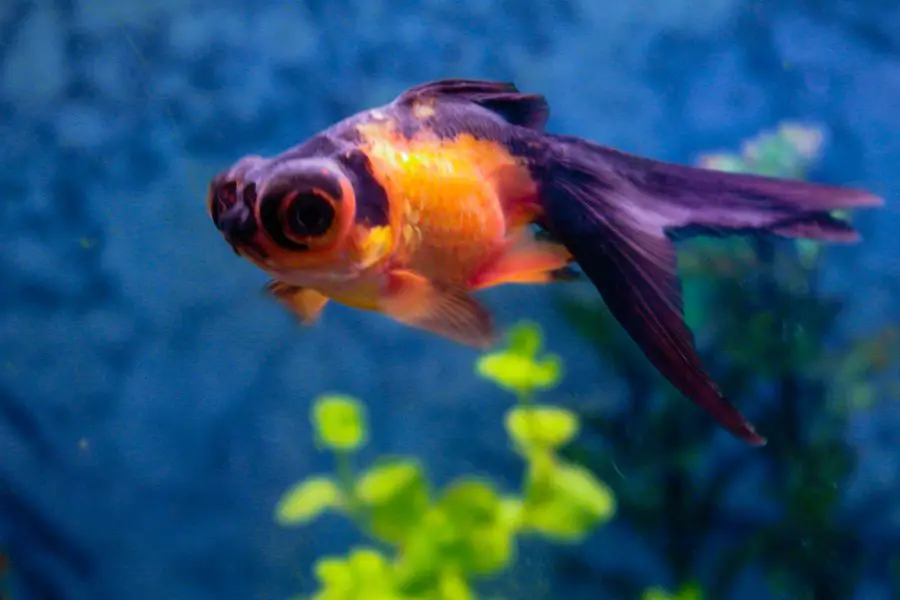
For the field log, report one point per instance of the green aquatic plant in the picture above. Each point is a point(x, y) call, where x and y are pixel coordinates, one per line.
point(781, 357)
point(789, 151)
point(687, 592)
point(429, 544)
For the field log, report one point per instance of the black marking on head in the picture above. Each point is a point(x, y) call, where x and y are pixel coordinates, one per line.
point(371, 199)
point(303, 180)
point(319, 145)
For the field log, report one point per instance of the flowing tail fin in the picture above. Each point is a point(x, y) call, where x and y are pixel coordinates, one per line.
point(616, 212)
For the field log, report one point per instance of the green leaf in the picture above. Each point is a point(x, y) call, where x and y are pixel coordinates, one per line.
point(422, 558)
point(470, 531)
point(365, 574)
point(472, 497)
point(396, 496)
point(339, 421)
point(546, 427)
point(334, 574)
point(787, 152)
point(546, 373)
point(656, 593)
point(519, 374)
point(729, 163)
point(517, 368)
point(307, 500)
point(471, 503)
point(524, 339)
point(688, 592)
point(807, 142)
point(511, 513)
point(568, 504)
point(488, 550)
point(385, 482)
point(369, 565)
point(454, 587)
point(482, 539)
point(808, 252)
point(862, 396)
point(694, 301)
point(769, 156)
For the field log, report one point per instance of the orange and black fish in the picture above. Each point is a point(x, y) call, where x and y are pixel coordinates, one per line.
point(455, 186)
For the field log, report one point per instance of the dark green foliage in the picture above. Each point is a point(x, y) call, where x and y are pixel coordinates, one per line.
point(772, 343)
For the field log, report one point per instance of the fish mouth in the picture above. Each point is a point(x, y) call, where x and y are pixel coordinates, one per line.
point(232, 210)
point(236, 222)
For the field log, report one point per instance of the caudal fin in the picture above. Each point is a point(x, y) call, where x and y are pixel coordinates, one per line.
point(616, 212)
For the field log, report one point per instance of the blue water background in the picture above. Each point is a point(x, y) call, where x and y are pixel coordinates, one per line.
point(153, 405)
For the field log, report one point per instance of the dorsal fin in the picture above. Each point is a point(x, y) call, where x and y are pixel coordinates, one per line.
point(525, 110)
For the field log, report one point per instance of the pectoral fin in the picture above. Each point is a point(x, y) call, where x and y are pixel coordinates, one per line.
point(307, 304)
point(448, 311)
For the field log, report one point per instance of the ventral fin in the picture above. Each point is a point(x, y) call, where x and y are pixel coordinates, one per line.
point(526, 260)
point(525, 110)
point(305, 303)
point(447, 311)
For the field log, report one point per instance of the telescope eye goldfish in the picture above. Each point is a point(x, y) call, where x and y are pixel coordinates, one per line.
point(455, 186)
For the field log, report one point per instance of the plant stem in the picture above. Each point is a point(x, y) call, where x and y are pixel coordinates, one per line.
point(347, 480)
point(526, 400)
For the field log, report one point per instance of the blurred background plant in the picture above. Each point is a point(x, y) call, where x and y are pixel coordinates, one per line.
point(712, 516)
point(435, 544)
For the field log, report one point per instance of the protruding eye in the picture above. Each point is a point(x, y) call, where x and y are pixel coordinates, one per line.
point(308, 214)
point(297, 220)
point(306, 204)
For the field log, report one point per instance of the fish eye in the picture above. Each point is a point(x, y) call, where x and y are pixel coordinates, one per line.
point(309, 214)
point(296, 220)
point(305, 204)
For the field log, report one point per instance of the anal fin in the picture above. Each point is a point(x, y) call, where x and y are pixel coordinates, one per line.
point(445, 310)
point(305, 303)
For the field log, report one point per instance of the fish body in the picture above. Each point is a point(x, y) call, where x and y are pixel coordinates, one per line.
point(455, 186)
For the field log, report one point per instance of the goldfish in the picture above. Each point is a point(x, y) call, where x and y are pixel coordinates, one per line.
point(455, 186)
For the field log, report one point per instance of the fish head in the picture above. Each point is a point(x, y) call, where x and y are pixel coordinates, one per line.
point(292, 217)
